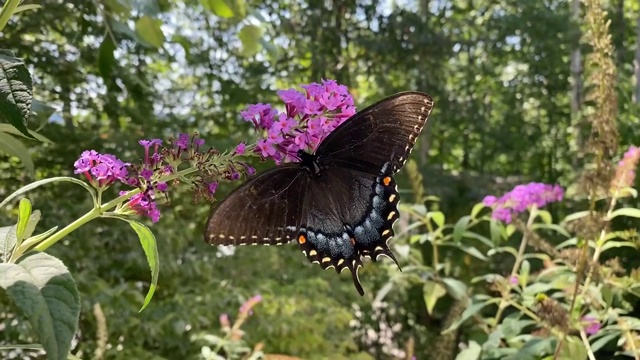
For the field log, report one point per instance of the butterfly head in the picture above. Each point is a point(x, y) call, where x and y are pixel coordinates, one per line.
point(309, 162)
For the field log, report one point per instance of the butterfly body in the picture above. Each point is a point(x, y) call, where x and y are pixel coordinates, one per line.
point(339, 204)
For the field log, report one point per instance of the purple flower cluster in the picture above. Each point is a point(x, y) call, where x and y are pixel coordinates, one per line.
point(308, 118)
point(626, 170)
point(101, 170)
point(521, 198)
point(246, 307)
point(591, 324)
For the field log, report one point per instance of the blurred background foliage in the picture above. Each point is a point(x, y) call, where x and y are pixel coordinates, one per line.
point(509, 107)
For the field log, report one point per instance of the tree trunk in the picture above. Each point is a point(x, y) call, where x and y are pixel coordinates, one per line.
point(636, 63)
point(576, 66)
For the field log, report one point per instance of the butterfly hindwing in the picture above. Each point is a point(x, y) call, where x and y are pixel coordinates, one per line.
point(381, 133)
point(350, 215)
point(265, 210)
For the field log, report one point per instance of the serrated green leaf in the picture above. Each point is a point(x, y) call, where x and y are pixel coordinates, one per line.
point(250, 35)
point(437, 217)
point(630, 212)
point(43, 289)
point(150, 247)
point(218, 7)
point(148, 29)
point(432, 291)
point(460, 227)
point(476, 210)
point(8, 240)
point(38, 183)
point(15, 92)
point(13, 147)
point(106, 59)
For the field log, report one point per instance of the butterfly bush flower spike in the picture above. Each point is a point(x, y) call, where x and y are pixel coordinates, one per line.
point(309, 116)
point(521, 198)
point(101, 170)
point(626, 170)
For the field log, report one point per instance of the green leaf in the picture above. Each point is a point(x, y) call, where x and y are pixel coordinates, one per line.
point(39, 107)
point(476, 210)
point(534, 347)
point(437, 217)
point(13, 147)
point(43, 289)
point(482, 239)
point(574, 349)
point(22, 8)
point(250, 36)
point(616, 244)
point(460, 227)
point(545, 216)
point(555, 227)
point(148, 29)
point(218, 7)
point(24, 213)
point(106, 59)
point(472, 352)
point(432, 291)
point(456, 288)
point(185, 43)
point(34, 219)
point(604, 340)
point(469, 250)
point(469, 312)
point(576, 216)
point(496, 232)
point(630, 212)
point(15, 91)
point(150, 247)
point(8, 240)
point(36, 184)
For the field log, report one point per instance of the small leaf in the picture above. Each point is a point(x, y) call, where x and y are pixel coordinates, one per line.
point(482, 239)
point(604, 340)
point(24, 213)
point(38, 107)
point(630, 212)
point(555, 227)
point(476, 210)
point(148, 29)
point(437, 217)
point(22, 8)
point(472, 352)
point(432, 291)
point(34, 219)
point(218, 7)
point(545, 216)
point(576, 216)
point(250, 35)
point(460, 227)
point(150, 247)
point(43, 289)
point(13, 147)
point(616, 244)
point(15, 91)
point(496, 232)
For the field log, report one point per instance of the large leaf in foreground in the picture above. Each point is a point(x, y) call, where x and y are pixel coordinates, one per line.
point(43, 289)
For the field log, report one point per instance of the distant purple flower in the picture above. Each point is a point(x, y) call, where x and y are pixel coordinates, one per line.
point(309, 117)
point(513, 280)
point(162, 186)
point(591, 324)
point(101, 169)
point(213, 187)
point(521, 198)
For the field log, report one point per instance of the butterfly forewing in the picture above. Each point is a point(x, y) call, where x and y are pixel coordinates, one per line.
point(265, 210)
point(381, 133)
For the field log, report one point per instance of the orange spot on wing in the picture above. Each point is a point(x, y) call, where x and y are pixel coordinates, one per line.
point(386, 181)
point(353, 241)
point(302, 239)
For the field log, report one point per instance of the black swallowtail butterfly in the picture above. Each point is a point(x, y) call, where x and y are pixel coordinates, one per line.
point(338, 204)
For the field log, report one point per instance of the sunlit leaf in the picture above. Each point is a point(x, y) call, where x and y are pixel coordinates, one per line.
point(432, 291)
point(629, 212)
point(250, 35)
point(14, 147)
point(460, 227)
point(476, 210)
point(472, 352)
point(149, 30)
point(437, 217)
point(218, 7)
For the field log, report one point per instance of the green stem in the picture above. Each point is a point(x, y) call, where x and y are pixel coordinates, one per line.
point(94, 213)
point(504, 303)
point(7, 10)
